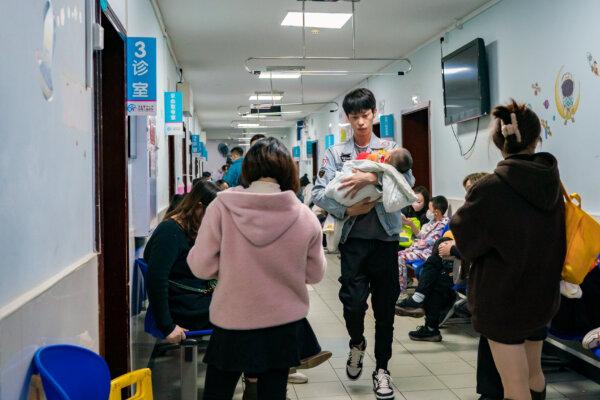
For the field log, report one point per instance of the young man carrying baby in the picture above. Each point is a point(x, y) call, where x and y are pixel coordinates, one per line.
point(369, 243)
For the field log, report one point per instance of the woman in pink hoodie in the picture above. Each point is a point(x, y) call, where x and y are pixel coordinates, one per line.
point(263, 246)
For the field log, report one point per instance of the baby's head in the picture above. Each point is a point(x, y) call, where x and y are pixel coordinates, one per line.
point(400, 159)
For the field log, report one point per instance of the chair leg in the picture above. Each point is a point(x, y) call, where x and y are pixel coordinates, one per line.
point(189, 369)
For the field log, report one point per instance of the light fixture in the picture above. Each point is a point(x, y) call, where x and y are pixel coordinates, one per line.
point(316, 20)
point(279, 75)
point(247, 110)
point(268, 96)
point(247, 125)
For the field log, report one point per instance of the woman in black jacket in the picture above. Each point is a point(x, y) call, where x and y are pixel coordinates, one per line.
point(179, 300)
point(512, 228)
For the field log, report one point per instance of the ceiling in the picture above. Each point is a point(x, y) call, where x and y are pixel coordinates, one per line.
point(213, 38)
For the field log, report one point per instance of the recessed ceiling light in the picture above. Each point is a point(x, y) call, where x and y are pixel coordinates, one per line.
point(248, 125)
point(279, 75)
point(316, 20)
point(265, 97)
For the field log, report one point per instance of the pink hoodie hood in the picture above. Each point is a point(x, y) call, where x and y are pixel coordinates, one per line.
point(248, 213)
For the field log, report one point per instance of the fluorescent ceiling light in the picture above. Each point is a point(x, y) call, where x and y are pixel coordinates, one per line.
point(279, 75)
point(316, 20)
point(248, 125)
point(265, 97)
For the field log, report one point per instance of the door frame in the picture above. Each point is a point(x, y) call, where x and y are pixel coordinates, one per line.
point(113, 318)
point(417, 108)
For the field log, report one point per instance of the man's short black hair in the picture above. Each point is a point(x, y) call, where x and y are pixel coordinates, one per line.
point(440, 203)
point(206, 174)
point(237, 150)
point(256, 137)
point(359, 100)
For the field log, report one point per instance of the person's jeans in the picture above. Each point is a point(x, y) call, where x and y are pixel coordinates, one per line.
point(370, 266)
point(220, 385)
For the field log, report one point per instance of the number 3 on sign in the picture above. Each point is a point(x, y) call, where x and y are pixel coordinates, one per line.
point(141, 47)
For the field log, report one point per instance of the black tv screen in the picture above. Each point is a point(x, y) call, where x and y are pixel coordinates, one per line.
point(466, 83)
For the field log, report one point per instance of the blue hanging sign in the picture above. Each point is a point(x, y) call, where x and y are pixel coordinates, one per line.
point(329, 141)
point(296, 152)
point(173, 113)
point(309, 150)
point(386, 126)
point(141, 76)
point(196, 144)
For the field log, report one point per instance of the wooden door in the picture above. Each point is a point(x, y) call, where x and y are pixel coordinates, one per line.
point(416, 138)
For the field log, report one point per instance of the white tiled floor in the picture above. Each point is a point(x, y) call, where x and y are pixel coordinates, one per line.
point(420, 370)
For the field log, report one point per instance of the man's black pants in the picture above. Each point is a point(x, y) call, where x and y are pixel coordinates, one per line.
point(370, 266)
point(436, 284)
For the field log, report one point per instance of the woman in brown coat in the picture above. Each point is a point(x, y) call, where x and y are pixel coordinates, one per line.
point(512, 228)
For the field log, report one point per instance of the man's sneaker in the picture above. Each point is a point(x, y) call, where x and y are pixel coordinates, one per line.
point(425, 334)
point(354, 365)
point(382, 385)
point(592, 339)
point(297, 378)
point(410, 308)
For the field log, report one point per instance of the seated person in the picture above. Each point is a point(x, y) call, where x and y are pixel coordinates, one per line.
point(222, 185)
point(179, 300)
point(434, 293)
point(395, 190)
point(422, 248)
point(414, 217)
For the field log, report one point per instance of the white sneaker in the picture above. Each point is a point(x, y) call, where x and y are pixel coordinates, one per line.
point(592, 339)
point(297, 378)
point(382, 385)
point(354, 365)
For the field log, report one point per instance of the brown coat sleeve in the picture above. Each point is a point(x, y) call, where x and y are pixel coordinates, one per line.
point(468, 225)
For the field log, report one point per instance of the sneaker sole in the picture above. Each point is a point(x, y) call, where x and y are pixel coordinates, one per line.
point(353, 378)
point(591, 340)
point(384, 397)
point(315, 361)
point(405, 312)
point(437, 338)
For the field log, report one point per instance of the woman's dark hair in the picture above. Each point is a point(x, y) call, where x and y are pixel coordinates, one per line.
point(528, 123)
point(269, 158)
point(202, 194)
point(175, 200)
point(440, 203)
point(304, 180)
point(426, 196)
point(359, 100)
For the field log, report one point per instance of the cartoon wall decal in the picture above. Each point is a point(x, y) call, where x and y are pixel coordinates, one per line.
point(546, 104)
point(593, 64)
point(546, 126)
point(536, 88)
point(565, 96)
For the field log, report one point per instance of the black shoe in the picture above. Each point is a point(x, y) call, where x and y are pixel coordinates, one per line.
point(410, 308)
point(538, 395)
point(250, 390)
point(425, 334)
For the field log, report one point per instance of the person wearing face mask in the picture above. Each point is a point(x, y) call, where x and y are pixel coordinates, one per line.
point(422, 248)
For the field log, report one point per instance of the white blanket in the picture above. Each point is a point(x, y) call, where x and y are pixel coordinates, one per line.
point(396, 193)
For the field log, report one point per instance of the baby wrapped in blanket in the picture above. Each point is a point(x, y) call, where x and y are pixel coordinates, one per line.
point(394, 190)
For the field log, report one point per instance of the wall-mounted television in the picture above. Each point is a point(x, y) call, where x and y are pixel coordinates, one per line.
point(466, 83)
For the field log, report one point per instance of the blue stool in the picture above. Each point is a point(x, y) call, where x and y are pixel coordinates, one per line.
point(70, 372)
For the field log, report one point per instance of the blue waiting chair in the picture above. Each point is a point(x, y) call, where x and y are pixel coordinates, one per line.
point(75, 373)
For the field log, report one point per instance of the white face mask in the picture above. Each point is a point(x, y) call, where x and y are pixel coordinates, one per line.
point(430, 215)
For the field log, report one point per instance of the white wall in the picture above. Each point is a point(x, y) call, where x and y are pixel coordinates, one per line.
point(527, 42)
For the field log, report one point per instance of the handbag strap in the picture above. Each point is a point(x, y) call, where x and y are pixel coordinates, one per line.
point(570, 197)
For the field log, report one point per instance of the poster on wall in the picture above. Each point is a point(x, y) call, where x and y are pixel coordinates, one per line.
point(141, 76)
point(296, 152)
point(386, 126)
point(173, 113)
point(195, 139)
